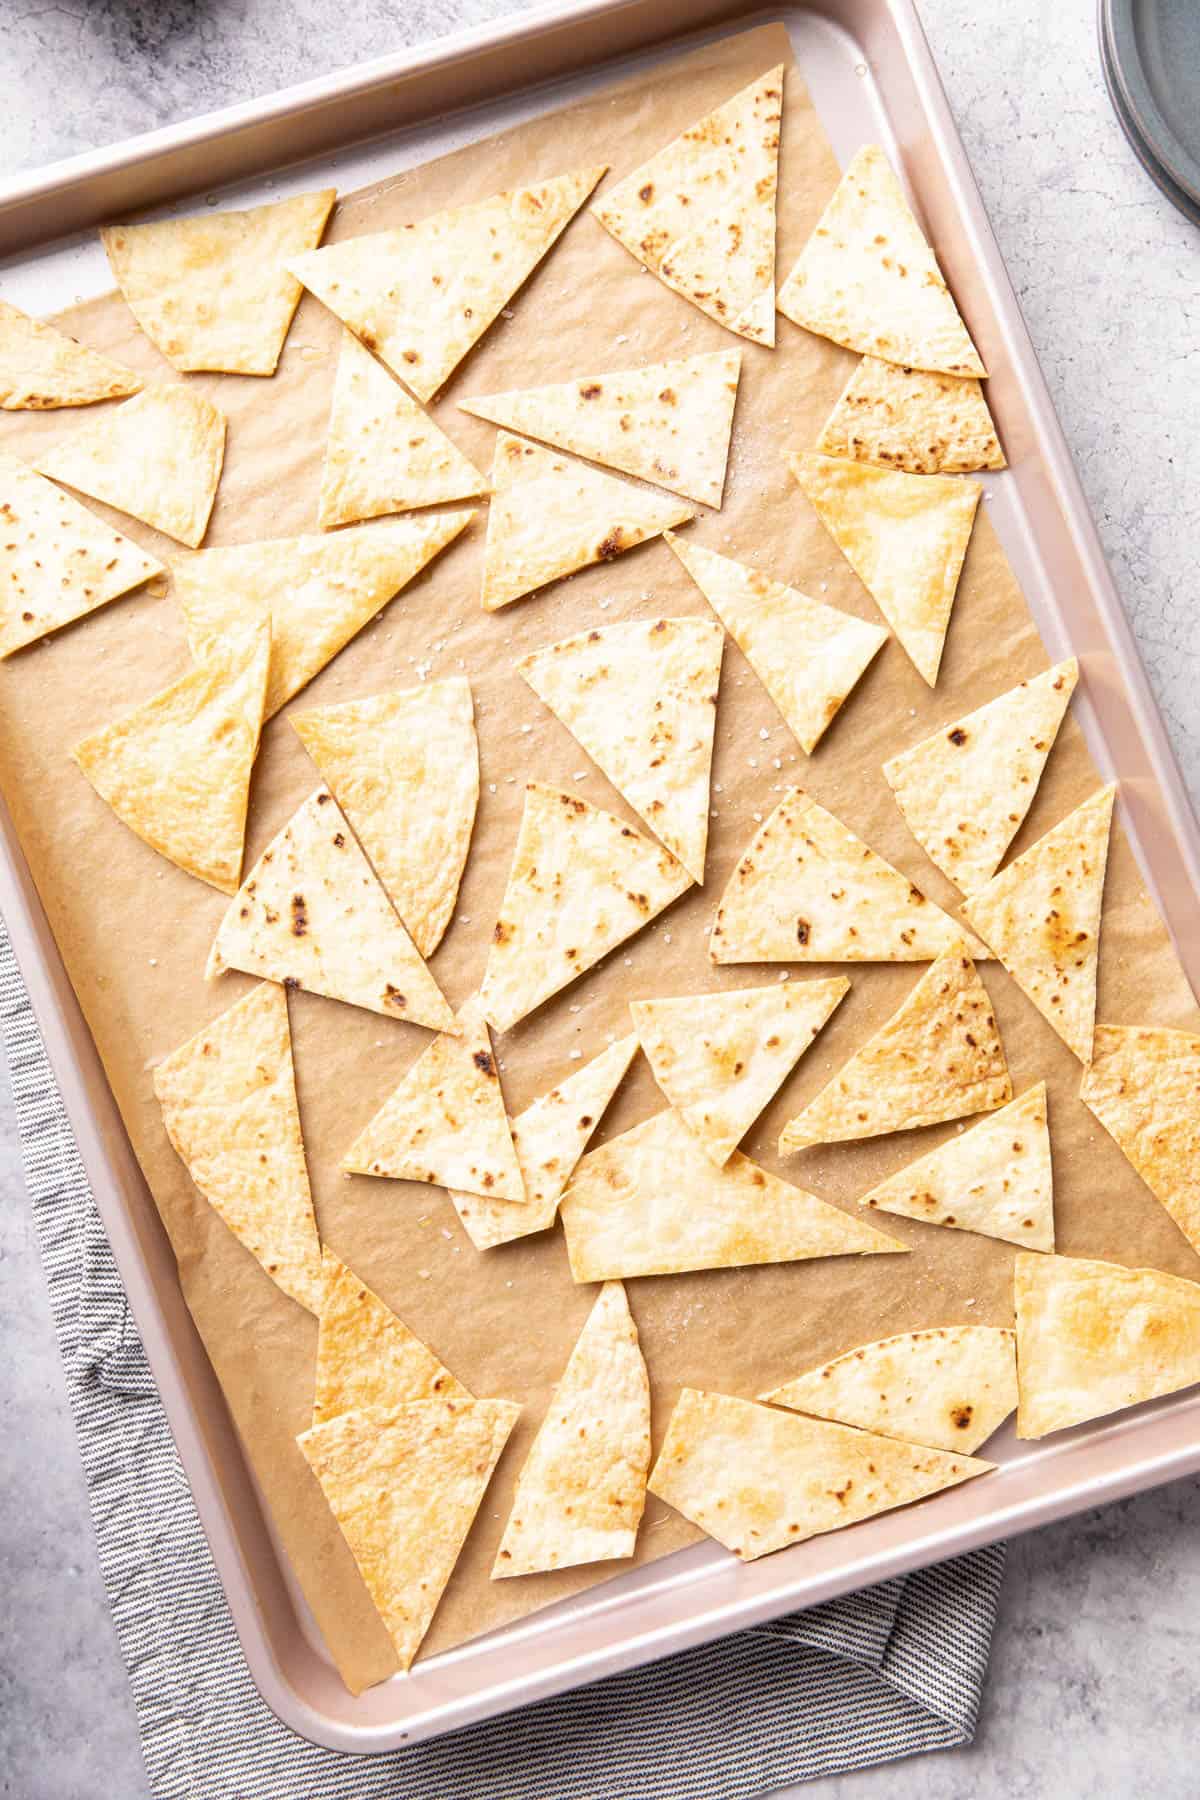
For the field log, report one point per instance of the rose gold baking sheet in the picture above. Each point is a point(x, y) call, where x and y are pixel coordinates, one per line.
point(868, 81)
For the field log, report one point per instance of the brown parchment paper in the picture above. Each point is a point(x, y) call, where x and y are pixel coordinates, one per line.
point(135, 931)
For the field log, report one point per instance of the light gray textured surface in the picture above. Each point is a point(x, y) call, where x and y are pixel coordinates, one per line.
point(1097, 1659)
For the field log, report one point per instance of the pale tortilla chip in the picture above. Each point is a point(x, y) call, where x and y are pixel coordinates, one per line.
point(551, 515)
point(719, 1058)
point(177, 768)
point(651, 1203)
point(905, 537)
point(367, 1359)
point(58, 561)
point(641, 698)
point(868, 279)
point(913, 420)
point(41, 368)
point(808, 656)
point(158, 458)
point(1093, 1337)
point(996, 1179)
point(582, 1488)
point(317, 591)
point(421, 295)
point(701, 213)
point(938, 1057)
point(1041, 916)
point(312, 914)
point(404, 767)
point(581, 882)
point(1144, 1087)
point(212, 291)
point(228, 1100)
point(669, 423)
point(404, 1491)
point(758, 1480)
point(965, 791)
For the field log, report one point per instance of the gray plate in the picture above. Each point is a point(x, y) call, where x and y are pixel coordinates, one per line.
point(1151, 55)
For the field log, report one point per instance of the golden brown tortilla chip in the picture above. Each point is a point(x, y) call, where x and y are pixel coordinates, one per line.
point(41, 368)
point(367, 1359)
point(1144, 1087)
point(913, 420)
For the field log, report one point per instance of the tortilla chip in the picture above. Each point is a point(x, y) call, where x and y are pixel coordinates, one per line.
point(938, 1057)
point(581, 1491)
point(719, 1058)
point(228, 1100)
point(965, 791)
point(41, 368)
point(404, 767)
point(701, 213)
point(177, 768)
point(996, 1179)
point(909, 419)
point(669, 423)
point(950, 1387)
point(158, 458)
point(905, 537)
point(641, 698)
point(807, 656)
point(758, 1480)
point(58, 561)
point(317, 591)
point(212, 291)
point(421, 295)
point(367, 1359)
point(651, 1203)
point(809, 890)
point(581, 882)
point(404, 1491)
point(313, 915)
point(1041, 916)
point(446, 1121)
point(868, 279)
point(1144, 1087)
point(1093, 1337)
point(551, 515)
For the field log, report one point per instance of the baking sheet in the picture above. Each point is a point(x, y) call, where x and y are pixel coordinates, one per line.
point(134, 931)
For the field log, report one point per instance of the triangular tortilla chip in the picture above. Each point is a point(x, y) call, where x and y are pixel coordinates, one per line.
point(701, 213)
point(868, 279)
point(809, 890)
point(582, 1488)
point(367, 1359)
point(719, 1058)
point(669, 423)
point(228, 1099)
point(651, 1203)
point(641, 698)
point(807, 656)
point(404, 1491)
point(446, 1121)
point(550, 1136)
point(551, 515)
point(938, 1057)
point(421, 295)
point(1041, 916)
point(212, 291)
point(158, 458)
point(317, 591)
point(404, 767)
point(965, 791)
point(1093, 1337)
point(758, 1480)
point(905, 537)
point(58, 561)
point(41, 368)
point(909, 419)
point(1144, 1087)
point(581, 882)
point(177, 768)
point(996, 1179)
point(950, 1387)
point(312, 914)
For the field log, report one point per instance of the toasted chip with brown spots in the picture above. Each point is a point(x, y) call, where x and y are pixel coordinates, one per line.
point(367, 1359)
point(911, 419)
point(41, 368)
point(1144, 1087)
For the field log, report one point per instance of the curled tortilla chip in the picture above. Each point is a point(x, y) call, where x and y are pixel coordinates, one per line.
point(41, 368)
point(910, 419)
point(367, 1359)
point(1144, 1087)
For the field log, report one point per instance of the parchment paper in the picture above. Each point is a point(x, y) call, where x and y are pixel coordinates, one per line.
point(135, 931)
